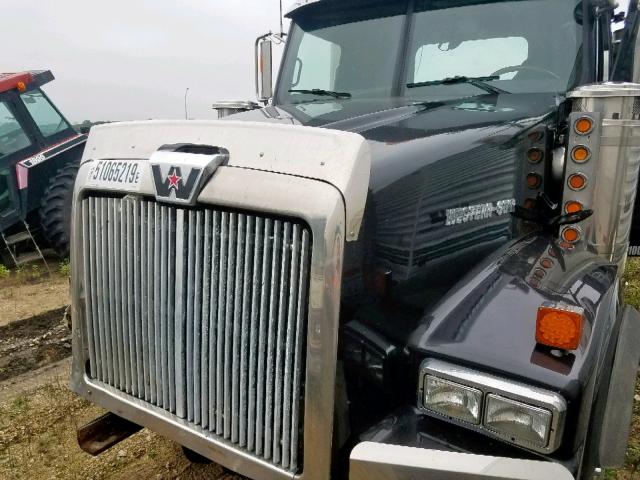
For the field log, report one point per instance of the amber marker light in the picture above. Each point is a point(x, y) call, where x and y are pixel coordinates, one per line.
point(534, 180)
point(559, 326)
point(584, 125)
point(535, 155)
point(571, 234)
point(580, 154)
point(547, 263)
point(573, 207)
point(577, 181)
point(535, 136)
point(21, 86)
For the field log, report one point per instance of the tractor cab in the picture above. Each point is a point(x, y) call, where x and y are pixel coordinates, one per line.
point(36, 142)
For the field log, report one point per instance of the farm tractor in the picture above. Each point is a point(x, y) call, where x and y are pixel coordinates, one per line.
point(39, 158)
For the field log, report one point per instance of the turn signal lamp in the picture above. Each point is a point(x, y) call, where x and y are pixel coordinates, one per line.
point(584, 125)
point(535, 155)
point(534, 180)
point(571, 234)
point(573, 207)
point(21, 86)
point(559, 326)
point(577, 181)
point(547, 263)
point(580, 154)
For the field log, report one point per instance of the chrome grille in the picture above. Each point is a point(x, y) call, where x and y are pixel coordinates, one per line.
point(201, 312)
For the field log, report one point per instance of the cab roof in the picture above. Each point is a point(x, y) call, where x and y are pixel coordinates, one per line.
point(299, 4)
point(30, 79)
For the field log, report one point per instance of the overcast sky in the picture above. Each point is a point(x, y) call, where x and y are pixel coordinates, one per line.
point(133, 59)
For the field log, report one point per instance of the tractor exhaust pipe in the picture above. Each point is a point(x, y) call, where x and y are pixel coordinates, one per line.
point(104, 432)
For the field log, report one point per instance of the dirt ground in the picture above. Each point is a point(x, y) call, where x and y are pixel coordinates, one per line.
point(26, 294)
point(39, 415)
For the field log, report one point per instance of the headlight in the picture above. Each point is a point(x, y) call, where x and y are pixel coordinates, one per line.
point(518, 420)
point(452, 399)
point(526, 416)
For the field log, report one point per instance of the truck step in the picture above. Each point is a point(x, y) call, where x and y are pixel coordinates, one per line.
point(28, 258)
point(17, 238)
point(105, 432)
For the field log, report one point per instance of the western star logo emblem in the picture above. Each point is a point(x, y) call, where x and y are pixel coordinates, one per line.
point(174, 179)
point(174, 182)
point(181, 171)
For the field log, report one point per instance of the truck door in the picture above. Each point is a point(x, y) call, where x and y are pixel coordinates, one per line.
point(15, 145)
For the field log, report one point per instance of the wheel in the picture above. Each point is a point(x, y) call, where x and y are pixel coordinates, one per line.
point(55, 209)
point(195, 457)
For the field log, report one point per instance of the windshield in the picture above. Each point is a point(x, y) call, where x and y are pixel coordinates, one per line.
point(376, 49)
point(47, 118)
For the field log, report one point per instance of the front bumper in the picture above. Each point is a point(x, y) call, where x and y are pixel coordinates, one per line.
point(377, 461)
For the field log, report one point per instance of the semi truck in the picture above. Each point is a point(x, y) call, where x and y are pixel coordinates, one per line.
point(406, 263)
point(40, 154)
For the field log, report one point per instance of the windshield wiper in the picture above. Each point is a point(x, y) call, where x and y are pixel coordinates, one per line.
point(475, 81)
point(322, 93)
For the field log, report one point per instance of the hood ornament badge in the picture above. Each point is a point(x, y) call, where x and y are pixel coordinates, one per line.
point(181, 171)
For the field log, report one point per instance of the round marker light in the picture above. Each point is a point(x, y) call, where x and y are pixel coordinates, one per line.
point(535, 155)
point(21, 86)
point(534, 180)
point(539, 273)
point(577, 181)
point(573, 207)
point(571, 234)
point(530, 203)
point(580, 154)
point(535, 136)
point(547, 263)
point(584, 125)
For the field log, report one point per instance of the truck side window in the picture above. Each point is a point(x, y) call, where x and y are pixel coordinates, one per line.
point(12, 136)
point(45, 115)
point(469, 58)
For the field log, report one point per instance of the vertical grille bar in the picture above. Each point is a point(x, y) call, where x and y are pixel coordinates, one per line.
point(197, 324)
point(201, 312)
point(89, 275)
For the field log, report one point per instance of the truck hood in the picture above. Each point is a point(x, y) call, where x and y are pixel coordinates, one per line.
point(400, 133)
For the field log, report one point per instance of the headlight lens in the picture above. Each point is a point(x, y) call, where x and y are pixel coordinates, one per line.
point(452, 399)
point(521, 422)
point(520, 414)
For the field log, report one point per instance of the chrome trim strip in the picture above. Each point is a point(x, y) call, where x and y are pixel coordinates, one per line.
point(492, 384)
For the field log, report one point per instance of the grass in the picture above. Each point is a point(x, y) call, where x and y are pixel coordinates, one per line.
point(32, 272)
point(64, 268)
point(631, 469)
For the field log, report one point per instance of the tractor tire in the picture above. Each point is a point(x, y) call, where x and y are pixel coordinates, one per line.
point(55, 209)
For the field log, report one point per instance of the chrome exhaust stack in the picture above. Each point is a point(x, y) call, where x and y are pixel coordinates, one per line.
point(602, 166)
